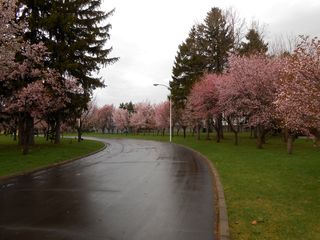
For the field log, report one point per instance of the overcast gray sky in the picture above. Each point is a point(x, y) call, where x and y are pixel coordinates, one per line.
point(145, 35)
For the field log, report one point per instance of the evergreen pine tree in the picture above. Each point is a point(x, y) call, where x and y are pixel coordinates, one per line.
point(205, 50)
point(75, 34)
point(253, 44)
point(217, 40)
point(188, 67)
point(129, 106)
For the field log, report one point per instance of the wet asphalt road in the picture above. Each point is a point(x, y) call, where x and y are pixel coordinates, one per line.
point(133, 190)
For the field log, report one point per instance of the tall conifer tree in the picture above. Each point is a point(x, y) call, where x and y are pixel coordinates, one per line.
point(75, 33)
point(253, 44)
point(188, 67)
point(206, 50)
point(217, 40)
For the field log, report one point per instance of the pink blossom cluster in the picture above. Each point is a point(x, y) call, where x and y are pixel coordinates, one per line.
point(264, 91)
point(121, 119)
point(298, 97)
point(249, 89)
point(162, 115)
point(145, 117)
point(26, 85)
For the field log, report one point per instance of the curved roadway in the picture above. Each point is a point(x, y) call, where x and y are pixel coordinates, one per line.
point(133, 190)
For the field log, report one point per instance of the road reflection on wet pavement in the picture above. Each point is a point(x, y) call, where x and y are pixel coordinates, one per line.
point(133, 190)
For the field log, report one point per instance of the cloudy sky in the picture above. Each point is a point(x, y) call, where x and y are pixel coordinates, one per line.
point(146, 33)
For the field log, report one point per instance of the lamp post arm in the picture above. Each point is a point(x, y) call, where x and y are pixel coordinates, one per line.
point(166, 86)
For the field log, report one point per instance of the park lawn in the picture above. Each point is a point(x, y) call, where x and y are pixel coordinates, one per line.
point(42, 154)
point(280, 192)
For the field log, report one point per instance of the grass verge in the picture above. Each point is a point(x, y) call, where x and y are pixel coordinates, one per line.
point(41, 155)
point(269, 194)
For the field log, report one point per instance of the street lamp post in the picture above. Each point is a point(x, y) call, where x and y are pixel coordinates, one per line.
point(170, 104)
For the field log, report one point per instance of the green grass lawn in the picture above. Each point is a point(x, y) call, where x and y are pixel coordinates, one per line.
point(42, 154)
point(280, 192)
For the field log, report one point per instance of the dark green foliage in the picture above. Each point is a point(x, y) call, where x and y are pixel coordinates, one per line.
point(217, 40)
point(205, 51)
point(189, 66)
point(253, 44)
point(75, 33)
point(129, 106)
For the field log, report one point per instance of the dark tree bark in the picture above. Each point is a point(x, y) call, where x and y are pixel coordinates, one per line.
point(219, 127)
point(235, 130)
point(261, 135)
point(57, 130)
point(184, 131)
point(208, 129)
point(79, 131)
point(26, 129)
point(178, 131)
point(198, 131)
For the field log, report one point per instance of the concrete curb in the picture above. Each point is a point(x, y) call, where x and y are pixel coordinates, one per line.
point(5, 178)
point(223, 227)
point(222, 213)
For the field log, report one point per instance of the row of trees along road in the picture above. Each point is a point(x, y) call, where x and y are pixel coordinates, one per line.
point(49, 52)
point(206, 50)
point(217, 76)
point(129, 117)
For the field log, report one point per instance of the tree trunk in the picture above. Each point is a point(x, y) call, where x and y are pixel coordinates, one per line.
point(47, 133)
point(208, 129)
point(198, 132)
point(218, 128)
point(57, 130)
point(26, 127)
point(184, 132)
point(236, 139)
point(14, 130)
point(21, 128)
point(30, 129)
point(285, 133)
point(234, 130)
point(79, 134)
point(218, 138)
point(15, 134)
point(79, 130)
point(260, 136)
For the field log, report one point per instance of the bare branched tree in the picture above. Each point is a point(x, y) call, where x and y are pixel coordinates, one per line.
point(238, 25)
point(281, 44)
